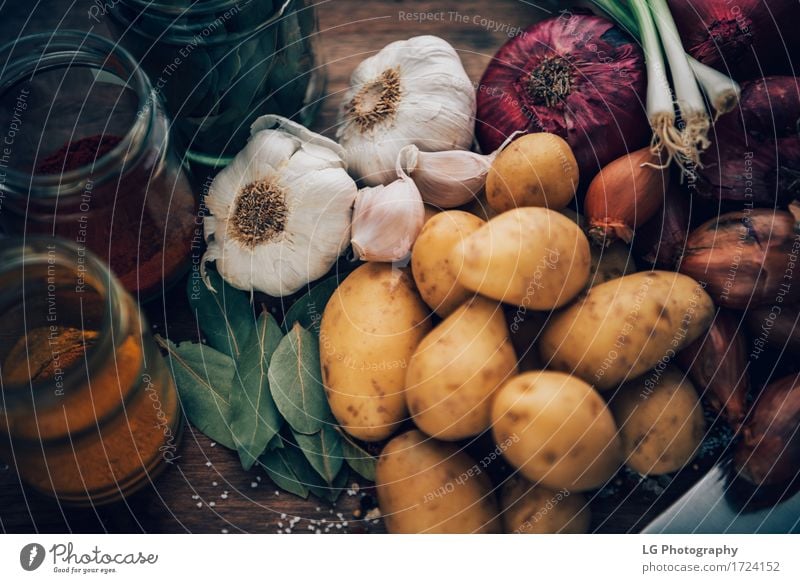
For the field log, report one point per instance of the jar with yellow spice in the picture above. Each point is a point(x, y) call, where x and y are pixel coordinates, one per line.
point(89, 413)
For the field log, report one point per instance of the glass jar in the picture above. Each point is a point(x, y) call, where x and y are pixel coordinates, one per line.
point(90, 410)
point(220, 64)
point(86, 155)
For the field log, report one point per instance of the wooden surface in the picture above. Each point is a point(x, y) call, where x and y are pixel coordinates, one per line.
point(207, 491)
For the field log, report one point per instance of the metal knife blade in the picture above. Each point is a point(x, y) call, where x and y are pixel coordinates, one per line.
point(707, 509)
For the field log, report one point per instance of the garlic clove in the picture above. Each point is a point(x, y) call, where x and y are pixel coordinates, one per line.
point(448, 179)
point(387, 219)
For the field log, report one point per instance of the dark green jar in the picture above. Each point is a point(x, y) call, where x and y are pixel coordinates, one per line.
point(220, 64)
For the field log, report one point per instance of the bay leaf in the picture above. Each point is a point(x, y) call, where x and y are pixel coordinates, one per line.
point(310, 478)
point(225, 315)
point(254, 418)
point(360, 460)
point(296, 384)
point(323, 450)
point(307, 309)
point(280, 471)
point(203, 378)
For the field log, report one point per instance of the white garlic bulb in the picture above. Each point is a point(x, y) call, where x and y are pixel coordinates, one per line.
point(411, 92)
point(387, 219)
point(281, 210)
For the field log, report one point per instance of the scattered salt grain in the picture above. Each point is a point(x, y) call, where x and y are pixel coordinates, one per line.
point(208, 464)
point(283, 516)
point(195, 496)
point(214, 444)
point(213, 483)
point(224, 531)
point(276, 492)
point(317, 531)
point(254, 484)
point(280, 525)
point(199, 504)
point(258, 478)
point(287, 530)
point(212, 504)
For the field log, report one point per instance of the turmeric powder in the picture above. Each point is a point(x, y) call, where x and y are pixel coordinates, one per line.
point(108, 431)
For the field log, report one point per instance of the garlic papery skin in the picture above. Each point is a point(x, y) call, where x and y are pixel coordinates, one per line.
point(281, 211)
point(448, 179)
point(387, 220)
point(411, 92)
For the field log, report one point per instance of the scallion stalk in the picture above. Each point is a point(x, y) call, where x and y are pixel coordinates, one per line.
point(722, 91)
point(660, 109)
point(696, 122)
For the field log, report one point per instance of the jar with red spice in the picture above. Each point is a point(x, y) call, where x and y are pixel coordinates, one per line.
point(85, 155)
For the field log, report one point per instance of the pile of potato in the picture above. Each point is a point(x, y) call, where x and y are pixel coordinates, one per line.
point(515, 325)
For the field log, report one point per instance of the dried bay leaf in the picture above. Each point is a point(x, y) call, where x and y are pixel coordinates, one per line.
point(323, 450)
point(224, 315)
point(296, 384)
point(203, 378)
point(359, 459)
point(280, 471)
point(254, 418)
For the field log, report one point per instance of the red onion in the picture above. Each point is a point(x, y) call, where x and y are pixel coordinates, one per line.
point(755, 154)
point(577, 76)
point(744, 38)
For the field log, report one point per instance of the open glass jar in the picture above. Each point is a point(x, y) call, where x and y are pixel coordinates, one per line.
point(89, 411)
point(86, 156)
point(220, 64)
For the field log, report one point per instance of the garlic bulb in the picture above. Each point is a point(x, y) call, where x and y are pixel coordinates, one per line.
point(281, 211)
point(411, 92)
point(387, 219)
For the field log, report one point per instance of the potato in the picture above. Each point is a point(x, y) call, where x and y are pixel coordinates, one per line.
point(534, 170)
point(530, 257)
point(609, 263)
point(369, 330)
point(456, 369)
point(660, 420)
point(622, 328)
point(533, 509)
point(426, 486)
point(430, 259)
point(557, 430)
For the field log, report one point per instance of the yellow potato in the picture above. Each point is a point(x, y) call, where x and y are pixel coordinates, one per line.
point(426, 486)
point(660, 420)
point(530, 257)
point(430, 259)
point(622, 328)
point(533, 509)
point(369, 330)
point(556, 430)
point(534, 170)
point(457, 368)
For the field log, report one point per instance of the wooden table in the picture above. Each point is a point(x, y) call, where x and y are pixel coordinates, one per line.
point(207, 491)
